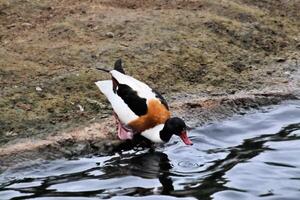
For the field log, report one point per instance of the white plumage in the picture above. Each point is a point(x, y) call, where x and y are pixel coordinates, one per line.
point(153, 133)
point(124, 113)
point(142, 89)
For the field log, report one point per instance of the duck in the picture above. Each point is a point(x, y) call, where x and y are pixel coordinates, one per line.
point(139, 109)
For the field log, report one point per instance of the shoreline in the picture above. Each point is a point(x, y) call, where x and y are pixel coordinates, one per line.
point(99, 137)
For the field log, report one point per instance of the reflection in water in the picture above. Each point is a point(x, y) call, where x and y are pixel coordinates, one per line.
point(147, 165)
point(242, 158)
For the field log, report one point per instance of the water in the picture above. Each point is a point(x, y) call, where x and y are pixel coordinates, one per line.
point(253, 156)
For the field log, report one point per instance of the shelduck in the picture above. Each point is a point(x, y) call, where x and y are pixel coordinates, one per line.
point(138, 109)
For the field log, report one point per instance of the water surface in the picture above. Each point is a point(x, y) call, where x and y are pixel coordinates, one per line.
point(253, 156)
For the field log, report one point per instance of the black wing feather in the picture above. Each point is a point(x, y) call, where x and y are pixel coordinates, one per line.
point(161, 98)
point(137, 104)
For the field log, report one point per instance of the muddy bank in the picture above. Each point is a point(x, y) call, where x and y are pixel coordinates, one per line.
point(100, 138)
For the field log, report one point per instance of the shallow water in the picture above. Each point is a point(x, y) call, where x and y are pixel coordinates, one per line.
point(253, 156)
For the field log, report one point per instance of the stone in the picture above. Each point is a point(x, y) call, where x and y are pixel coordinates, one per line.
point(110, 34)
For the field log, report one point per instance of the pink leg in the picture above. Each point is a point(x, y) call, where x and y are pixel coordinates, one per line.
point(124, 133)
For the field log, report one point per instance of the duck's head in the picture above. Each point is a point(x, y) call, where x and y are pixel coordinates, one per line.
point(177, 127)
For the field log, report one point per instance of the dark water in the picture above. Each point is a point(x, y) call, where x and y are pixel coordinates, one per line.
point(254, 156)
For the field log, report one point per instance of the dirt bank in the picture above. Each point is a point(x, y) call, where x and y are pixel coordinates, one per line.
point(48, 51)
point(99, 137)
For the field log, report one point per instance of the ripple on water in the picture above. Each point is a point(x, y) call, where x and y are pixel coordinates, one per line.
point(105, 184)
point(254, 156)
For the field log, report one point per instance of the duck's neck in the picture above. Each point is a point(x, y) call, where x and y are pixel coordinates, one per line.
point(165, 134)
point(153, 134)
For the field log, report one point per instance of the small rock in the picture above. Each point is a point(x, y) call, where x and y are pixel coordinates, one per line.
point(287, 73)
point(90, 25)
point(39, 89)
point(280, 60)
point(26, 24)
point(11, 26)
point(80, 107)
point(10, 133)
point(124, 45)
point(110, 34)
point(161, 48)
point(209, 89)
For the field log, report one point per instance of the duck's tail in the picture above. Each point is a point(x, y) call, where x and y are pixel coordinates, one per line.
point(118, 67)
point(102, 69)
